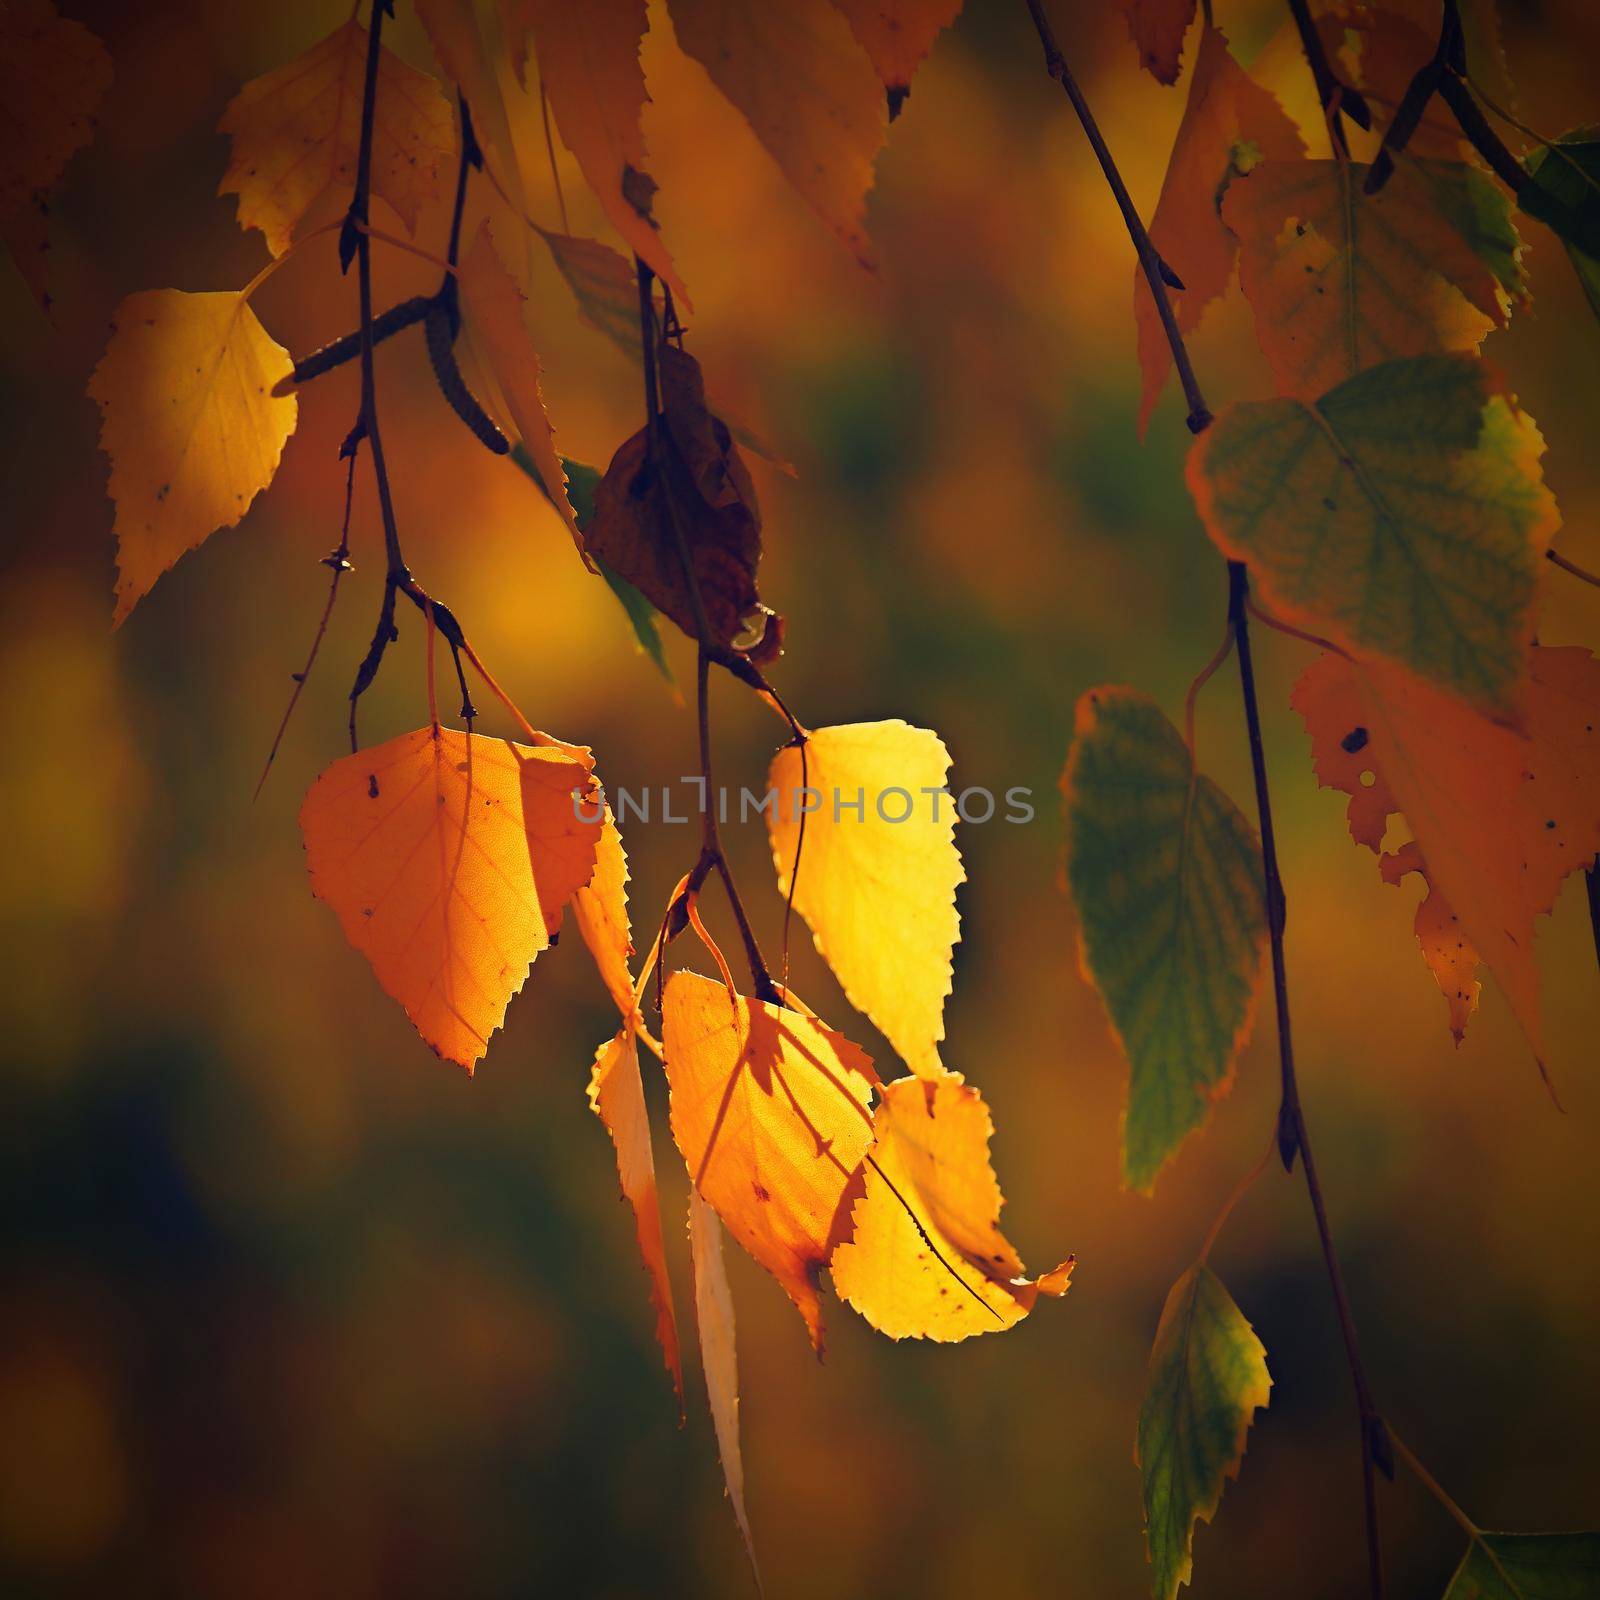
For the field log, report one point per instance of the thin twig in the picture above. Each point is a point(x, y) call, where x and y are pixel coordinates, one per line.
point(1572, 567)
point(1338, 99)
point(1244, 1186)
point(1292, 1132)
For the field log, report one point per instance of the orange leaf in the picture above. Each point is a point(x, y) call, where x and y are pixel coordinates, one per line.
point(769, 1108)
point(713, 1307)
point(589, 67)
point(496, 317)
point(924, 1256)
point(807, 90)
point(616, 1096)
point(449, 859)
point(297, 132)
point(191, 423)
point(1340, 280)
point(53, 75)
point(601, 910)
point(1499, 817)
point(897, 34)
point(1157, 28)
point(1229, 123)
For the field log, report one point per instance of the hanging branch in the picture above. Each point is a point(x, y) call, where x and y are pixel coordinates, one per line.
point(1293, 1134)
point(1337, 97)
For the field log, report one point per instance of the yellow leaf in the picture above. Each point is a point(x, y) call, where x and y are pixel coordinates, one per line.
point(1499, 815)
point(589, 67)
point(1157, 27)
point(807, 90)
point(601, 909)
point(494, 308)
point(53, 75)
point(297, 132)
point(878, 894)
point(924, 1257)
point(713, 1305)
point(897, 34)
point(769, 1109)
point(449, 859)
point(190, 422)
point(616, 1096)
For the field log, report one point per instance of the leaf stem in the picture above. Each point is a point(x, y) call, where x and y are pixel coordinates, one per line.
point(1292, 1132)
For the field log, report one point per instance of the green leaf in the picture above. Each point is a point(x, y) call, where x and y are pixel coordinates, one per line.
point(1565, 194)
point(1208, 1375)
point(1401, 515)
point(1166, 876)
point(582, 482)
point(1529, 1566)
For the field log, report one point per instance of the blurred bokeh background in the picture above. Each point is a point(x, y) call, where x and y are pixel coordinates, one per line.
point(289, 1308)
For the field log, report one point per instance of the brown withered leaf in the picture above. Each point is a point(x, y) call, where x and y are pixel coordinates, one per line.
point(705, 493)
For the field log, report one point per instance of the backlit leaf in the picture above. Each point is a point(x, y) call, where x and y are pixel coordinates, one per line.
point(1208, 1376)
point(1230, 123)
point(53, 75)
point(616, 1096)
point(449, 859)
point(496, 316)
point(769, 1109)
point(190, 422)
point(1157, 28)
point(1340, 280)
point(296, 134)
point(808, 91)
point(601, 910)
point(589, 66)
point(1529, 1566)
point(713, 1307)
point(1165, 873)
point(1499, 815)
point(897, 34)
point(1565, 193)
point(924, 1256)
point(1402, 515)
point(878, 871)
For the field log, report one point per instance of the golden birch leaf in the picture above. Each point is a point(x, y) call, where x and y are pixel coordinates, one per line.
point(1499, 815)
point(1157, 28)
point(616, 1096)
point(713, 1308)
point(924, 1257)
point(807, 90)
point(897, 34)
point(449, 859)
point(589, 66)
point(769, 1110)
point(190, 422)
point(878, 888)
point(601, 909)
point(296, 134)
point(495, 309)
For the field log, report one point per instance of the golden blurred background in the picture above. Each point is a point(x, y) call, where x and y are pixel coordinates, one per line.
point(287, 1307)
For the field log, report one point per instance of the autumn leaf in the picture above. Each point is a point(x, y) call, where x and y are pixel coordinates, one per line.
point(1499, 816)
point(1565, 194)
point(616, 1096)
point(53, 75)
point(190, 422)
point(497, 320)
point(1385, 49)
point(1208, 1376)
point(923, 1256)
point(1230, 123)
point(769, 1110)
point(600, 908)
point(449, 859)
point(713, 1306)
point(1528, 1566)
point(1157, 27)
point(589, 67)
point(1341, 280)
point(1402, 515)
point(897, 34)
point(296, 133)
point(706, 499)
point(1165, 874)
point(876, 885)
point(807, 90)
